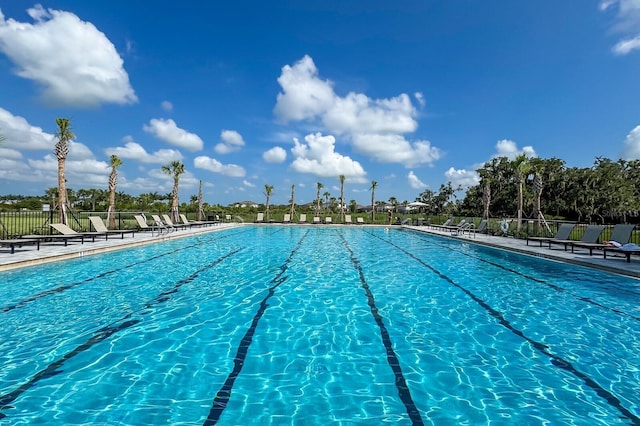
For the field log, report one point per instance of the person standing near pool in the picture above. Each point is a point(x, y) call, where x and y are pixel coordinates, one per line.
point(390, 216)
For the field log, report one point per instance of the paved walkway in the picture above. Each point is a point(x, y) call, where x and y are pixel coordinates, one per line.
point(49, 252)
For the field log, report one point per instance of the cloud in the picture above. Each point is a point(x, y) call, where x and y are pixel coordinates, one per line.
point(415, 182)
point(167, 106)
point(627, 23)
point(21, 135)
point(392, 148)
point(247, 183)
point(213, 165)
point(303, 95)
point(72, 62)
point(168, 131)
point(462, 177)
point(508, 148)
point(275, 155)
point(375, 127)
point(230, 141)
point(134, 151)
point(420, 98)
point(318, 157)
point(631, 149)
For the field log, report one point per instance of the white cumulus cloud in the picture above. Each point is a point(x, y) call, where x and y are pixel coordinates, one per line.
point(134, 151)
point(631, 149)
point(508, 148)
point(19, 134)
point(318, 157)
point(215, 166)
point(462, 177)
point(230, 141)
point(275, 155)
point(415, 182)
point(166, 106)
point(168, 131)
point(375, 127)
point(72, 62)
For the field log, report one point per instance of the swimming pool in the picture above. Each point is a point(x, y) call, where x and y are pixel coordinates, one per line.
point(318, 325)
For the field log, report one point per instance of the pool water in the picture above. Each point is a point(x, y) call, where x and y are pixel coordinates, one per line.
point(304, 325)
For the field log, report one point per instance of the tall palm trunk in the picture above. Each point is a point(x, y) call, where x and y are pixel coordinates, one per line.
point(61, 151)
point(486, 200)
point(113, 183)
point(200, 214)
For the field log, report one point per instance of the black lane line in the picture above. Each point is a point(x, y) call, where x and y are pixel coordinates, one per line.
point(556, 360)
point(392, 358)
point(68, 286)
point(103, 334)
point(224, 394)
point(529, 277)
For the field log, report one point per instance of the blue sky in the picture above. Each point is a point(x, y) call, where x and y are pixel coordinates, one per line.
point(246, 93)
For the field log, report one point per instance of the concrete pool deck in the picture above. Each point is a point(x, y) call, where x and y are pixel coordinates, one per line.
point(50, 252)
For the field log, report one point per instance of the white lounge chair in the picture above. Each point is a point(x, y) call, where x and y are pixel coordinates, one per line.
point(100, 227)
point(359, 220)
point(169, 223)
point(303, 218)
point(327, 219)
point(287, 218)
point(260, 218)
point(316, 219)
point(347, 219)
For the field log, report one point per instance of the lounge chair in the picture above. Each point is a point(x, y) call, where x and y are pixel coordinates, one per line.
point(19, 242)
point(260, 218)
point(626, 249)
point(360, 220)
point(303, 218)
point(144, 226)
point(328, 220)
point(162, 225)
point(169, 223)
point(99, 226)
point(347, 219)
point(620, 235)
point(65, 230)
point(228, 218)
point(591, 235)
point(316, 219)
point(444, 225)
point(192, 223)
point(563, 232)
point(287, 218)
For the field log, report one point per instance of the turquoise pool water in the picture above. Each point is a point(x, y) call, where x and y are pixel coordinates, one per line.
point(303, 325)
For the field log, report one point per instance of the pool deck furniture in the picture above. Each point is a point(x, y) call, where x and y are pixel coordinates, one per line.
point(328, 220)
point(99, 226)
point(303, 218)
point(190, 223)
point(347, 219)
point(144, 226)
point(260, 218)
point(19, 242)
point(444, 226)
point(167, 220)
point(627, 250)
point(316, 219)
point(65, 230)
point(287, 218)
point(563, 232)
point(360, 220)
point(590, 236)
point(621, 234)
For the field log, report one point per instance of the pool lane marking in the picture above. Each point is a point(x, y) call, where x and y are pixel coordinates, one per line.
point(548, 284)
point(556, 360)
point(103, 334)
point(69, 286)
point(401, 384)
point(224, 394)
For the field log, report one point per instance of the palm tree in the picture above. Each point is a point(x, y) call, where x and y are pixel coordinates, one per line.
point(113, 183)
point(200, 214)
point(374, 184)
point(268, 190)
point(175, 169)
point(293, 203)
point(64, 135)
point(341, 178)
point(319, 186)
point(522, 168)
